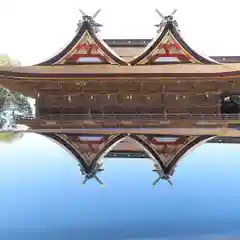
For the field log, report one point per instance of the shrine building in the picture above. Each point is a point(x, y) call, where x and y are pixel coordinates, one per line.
point(128, 85)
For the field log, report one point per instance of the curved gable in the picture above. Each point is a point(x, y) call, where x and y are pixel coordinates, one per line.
point(169, 47)
point(85, 48)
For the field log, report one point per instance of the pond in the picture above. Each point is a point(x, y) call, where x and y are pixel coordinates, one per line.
point(42, 196)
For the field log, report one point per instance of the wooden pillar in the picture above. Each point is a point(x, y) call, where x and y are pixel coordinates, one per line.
point(37, 107)
point(164, 99)
point(217, 102)
point(65, 100)
point(219, 105)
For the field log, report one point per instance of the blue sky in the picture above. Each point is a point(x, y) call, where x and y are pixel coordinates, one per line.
point(41, 191)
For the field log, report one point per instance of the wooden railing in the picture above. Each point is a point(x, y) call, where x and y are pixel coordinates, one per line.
point(142, 117)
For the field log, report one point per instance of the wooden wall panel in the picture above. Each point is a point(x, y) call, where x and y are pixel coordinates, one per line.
point(213, 109)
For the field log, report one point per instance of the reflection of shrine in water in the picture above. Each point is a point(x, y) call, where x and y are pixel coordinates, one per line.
point(164, 151)
point(44, 182)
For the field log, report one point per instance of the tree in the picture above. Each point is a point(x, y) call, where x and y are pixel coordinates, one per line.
point(12, 103)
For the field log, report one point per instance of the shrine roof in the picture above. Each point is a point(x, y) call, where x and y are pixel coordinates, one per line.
point(140, 44)
point(85, 48)
point(168, 47)
point(108, 71)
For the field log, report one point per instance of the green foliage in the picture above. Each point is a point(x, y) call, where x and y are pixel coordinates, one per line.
point(10, 137)
point(13, 104)
point(3, 93)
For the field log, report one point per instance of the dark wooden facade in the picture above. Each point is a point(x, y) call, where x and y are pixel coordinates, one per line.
point(135, 97)
point(88, 78)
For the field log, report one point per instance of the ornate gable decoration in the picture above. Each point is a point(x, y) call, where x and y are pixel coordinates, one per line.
point(169, 50)
point(87, 50)
point(86, 47)
point(169, 47)
point(168, 147)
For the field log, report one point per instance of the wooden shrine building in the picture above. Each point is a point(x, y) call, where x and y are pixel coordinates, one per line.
point(130, 85)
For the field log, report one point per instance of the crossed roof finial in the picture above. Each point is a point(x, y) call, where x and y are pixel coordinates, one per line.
point(93, 173)
point(168, 17)
point(162, 175)
point(165, 19)
point(90, 19)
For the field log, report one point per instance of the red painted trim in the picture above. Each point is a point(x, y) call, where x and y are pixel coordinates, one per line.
point(102, 140)
point(154, 141)
point(88, 47)
point(181, 57)
point(167, 47)
point(75, 57)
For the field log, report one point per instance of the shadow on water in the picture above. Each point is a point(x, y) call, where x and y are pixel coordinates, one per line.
point(42, 196)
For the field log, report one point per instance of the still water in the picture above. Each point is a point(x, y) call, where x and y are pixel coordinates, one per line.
point(42, 196)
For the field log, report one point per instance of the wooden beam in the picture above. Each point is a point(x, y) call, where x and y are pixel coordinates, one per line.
point(164, 131)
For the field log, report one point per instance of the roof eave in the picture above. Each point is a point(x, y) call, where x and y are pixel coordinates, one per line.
point(6, 76)
point(85, 26)
point(197, 56)
point(152, 45)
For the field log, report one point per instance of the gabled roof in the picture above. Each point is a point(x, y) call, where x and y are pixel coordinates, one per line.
point(169, 47)
point(85, 48)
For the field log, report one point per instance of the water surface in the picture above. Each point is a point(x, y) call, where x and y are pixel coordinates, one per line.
point(42, 196)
